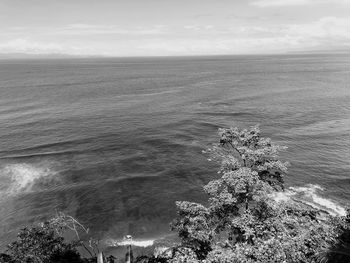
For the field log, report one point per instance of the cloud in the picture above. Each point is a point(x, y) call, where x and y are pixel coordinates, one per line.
point(328, 32)
point(198, 27)
point(87, 29)
point(27, 46)
point(325, 33)
point(327, 28)
point(268, 3)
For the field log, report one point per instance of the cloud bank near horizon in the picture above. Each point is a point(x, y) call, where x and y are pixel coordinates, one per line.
point(260, 27)
point(271, 3)
point(325, 33)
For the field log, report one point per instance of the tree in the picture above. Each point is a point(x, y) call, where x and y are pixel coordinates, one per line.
point(243, 222)
point(40, 244)
point(246, 148)
point(44, 243)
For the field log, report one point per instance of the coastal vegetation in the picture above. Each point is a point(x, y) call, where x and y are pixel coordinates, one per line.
point(44, 243)
point(248, 217)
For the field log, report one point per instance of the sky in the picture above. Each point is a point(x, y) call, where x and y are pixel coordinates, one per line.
point(172, 27)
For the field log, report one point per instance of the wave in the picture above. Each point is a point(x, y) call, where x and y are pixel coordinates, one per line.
point(61, 144)
point(309, 195)
point(21, 177)
point(339, 126)
point(136, 243)
point(229, 114)
point(30, 155)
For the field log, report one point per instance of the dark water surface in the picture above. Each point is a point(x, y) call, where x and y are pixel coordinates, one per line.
point(115, 142)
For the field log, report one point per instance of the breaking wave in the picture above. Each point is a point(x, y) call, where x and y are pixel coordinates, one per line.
point(136, 243)
point(309, 195)
point(23, 177)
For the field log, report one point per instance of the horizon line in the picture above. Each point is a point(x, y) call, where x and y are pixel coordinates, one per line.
point(28, 56)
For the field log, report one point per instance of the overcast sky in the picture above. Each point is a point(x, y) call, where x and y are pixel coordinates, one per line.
point(172, 27)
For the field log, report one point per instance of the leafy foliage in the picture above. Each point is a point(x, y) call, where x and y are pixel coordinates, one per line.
point(44, 243)
point(246, 148)
point(41, 244)
point(339, 252)
point(243, 222)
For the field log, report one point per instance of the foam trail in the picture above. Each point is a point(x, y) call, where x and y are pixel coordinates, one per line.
point(309, 195)
point(21, 177)
point(136, 243)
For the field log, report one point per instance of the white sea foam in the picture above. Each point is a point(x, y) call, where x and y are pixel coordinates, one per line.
point(136, 243)
point(21, 177)
point(310, 195)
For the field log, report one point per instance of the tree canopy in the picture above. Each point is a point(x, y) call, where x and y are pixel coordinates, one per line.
point(44, 243)
point(243, 221)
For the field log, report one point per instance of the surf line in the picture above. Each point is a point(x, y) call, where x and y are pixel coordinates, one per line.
point(129, 256)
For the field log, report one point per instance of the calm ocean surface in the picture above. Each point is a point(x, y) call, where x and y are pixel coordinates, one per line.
point(115, 142)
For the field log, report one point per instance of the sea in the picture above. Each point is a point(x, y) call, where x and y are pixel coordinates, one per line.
point(115, 142)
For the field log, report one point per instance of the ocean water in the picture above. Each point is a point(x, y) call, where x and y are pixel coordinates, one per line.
point(115, 142)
